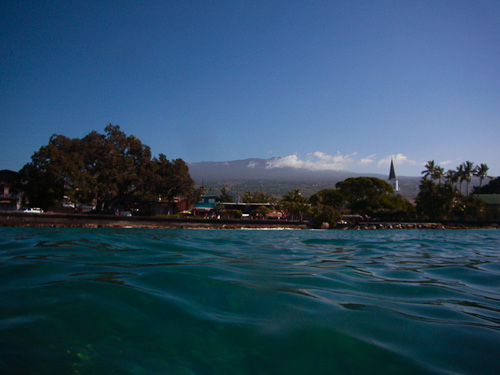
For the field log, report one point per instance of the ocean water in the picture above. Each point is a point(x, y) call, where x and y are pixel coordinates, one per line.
point(154, 301)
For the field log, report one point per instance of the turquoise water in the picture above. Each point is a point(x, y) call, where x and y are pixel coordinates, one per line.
point(136, 301)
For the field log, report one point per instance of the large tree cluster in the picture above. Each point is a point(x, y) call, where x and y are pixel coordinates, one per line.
point(365, 196)
point(361, 195)
point(104, 170)
point(444, 200)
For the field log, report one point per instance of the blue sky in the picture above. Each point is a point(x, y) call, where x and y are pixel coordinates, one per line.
point(321, 84)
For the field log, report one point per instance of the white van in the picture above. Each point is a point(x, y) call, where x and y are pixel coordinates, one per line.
point(33, 210)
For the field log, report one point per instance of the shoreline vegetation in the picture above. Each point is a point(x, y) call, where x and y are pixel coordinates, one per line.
point(113, 173)
point(18, 219)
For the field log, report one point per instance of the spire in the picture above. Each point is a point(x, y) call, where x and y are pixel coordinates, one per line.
point(392, 172)
point(393, 178)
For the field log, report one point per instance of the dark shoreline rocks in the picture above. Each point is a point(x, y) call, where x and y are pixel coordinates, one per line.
point(423, 225)
point(18, 219)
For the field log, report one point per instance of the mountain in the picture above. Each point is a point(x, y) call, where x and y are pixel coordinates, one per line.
point(256, 169)
point(254, 174)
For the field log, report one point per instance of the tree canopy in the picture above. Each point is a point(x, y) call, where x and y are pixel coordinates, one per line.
point(374, 197)
point(295, 204)
point(102, 169)
point(444, 200)
point(329, 197)
point(493, 187)
point(258, 197)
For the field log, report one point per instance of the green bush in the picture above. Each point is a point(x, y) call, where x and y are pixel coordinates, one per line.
point(325, 214)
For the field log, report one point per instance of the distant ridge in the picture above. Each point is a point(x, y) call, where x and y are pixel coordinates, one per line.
point(253, 174)
point(251, 169)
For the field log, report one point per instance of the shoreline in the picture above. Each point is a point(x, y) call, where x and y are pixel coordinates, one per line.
point(19, 219)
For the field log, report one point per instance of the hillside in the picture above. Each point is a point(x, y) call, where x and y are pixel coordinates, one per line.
point(241, 176)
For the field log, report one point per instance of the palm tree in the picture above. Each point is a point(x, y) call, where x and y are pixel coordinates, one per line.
point(430, 168)
point(438, 173)
point(451, 177)
point(293, 196)
point(481, 171)
point(460, 175)
point(468, 170)
point(295, 202)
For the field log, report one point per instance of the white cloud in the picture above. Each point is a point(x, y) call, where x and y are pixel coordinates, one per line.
point(398, 159)
point(320, 161)
point(368, 160)
point(447, 162)
point(291, 161)
point(317, 161)
point(252, 164)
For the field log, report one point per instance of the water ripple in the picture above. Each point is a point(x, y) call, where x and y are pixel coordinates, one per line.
point(249, 302)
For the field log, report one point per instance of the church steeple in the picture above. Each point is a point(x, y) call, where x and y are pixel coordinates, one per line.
point(392, 172)
point(392, 177)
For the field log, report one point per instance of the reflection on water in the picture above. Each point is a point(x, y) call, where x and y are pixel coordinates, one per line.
point(249, 302)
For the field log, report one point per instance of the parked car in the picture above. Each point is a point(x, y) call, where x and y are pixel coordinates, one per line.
point(33, 210)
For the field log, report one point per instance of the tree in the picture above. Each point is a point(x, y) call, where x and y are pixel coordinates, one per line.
point(374, 197)
point(360, 188)
point(460, 173)
point(438, 173)
point(433, 170)
point(468, 169)
point(171, 180)
point(329, 197)
point(295, 203)
point(429, 169)
point(225, 197)
point(263, 210)
point(122, 169)
point(41, 188)
point(451, 177)
point(362, 193)
point(434, 201)
point(258, 197)
point(198, 193)
point(493, 187)
point(53, 173)
point(440, 202)
point(481, 171)
point(325, 214)
point(107, 170)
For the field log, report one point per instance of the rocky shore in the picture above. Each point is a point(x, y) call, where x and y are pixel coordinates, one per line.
point(18, 219)
point(423, 225)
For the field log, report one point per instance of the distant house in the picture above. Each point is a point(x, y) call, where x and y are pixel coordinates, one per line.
point(245, 207)
point(492, 205)
point(490, 194)
point(277, 215)
point(9, 201)
point(207, 204)
point(164, 207)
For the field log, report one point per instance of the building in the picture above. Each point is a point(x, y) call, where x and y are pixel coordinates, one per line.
point(9, 201)
point(393, 180)
point(490, 199)
point(207, 204)
point(165, 207)
point(212, 204)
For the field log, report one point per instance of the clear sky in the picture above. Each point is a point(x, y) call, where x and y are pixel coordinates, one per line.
point(322, 84)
